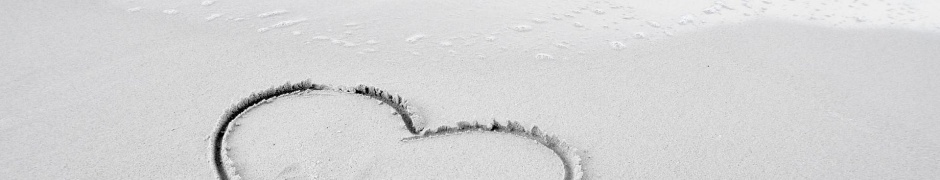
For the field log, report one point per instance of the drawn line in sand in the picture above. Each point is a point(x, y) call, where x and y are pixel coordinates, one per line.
point(224, 165)
point(567, 153)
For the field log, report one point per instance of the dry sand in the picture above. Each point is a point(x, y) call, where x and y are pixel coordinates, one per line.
point(132, 90)
point(342, 136)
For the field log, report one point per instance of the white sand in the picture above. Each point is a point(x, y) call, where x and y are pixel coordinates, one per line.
point(340, 136)
point(107, 90)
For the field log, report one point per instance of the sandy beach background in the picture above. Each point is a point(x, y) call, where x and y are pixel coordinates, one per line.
point(645, 90)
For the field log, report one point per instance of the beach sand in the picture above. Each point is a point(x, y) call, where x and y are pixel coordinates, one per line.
point(134, 90)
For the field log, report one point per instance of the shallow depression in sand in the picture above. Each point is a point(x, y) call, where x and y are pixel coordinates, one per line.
point(326, 135)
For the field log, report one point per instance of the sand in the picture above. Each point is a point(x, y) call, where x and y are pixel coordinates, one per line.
point(345, 136)
point(133, 90)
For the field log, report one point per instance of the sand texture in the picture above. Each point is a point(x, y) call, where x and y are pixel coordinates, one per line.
point(417, 89)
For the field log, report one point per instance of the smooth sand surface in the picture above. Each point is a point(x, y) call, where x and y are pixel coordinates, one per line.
point(102, 90)
point(343, 136)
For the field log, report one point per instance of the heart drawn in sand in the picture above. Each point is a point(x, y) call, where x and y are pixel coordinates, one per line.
point(312, 131)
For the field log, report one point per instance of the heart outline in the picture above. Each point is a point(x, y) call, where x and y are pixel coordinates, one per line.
point(218, 152)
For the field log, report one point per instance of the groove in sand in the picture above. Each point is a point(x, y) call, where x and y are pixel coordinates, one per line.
point(224, 165)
